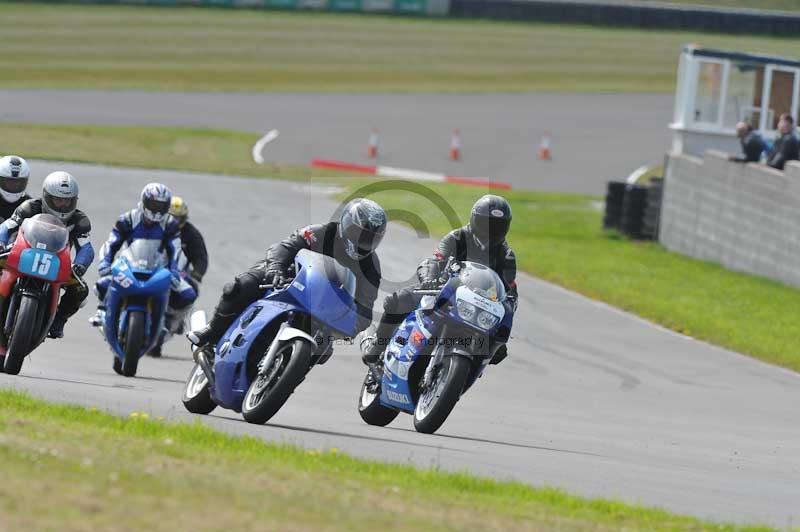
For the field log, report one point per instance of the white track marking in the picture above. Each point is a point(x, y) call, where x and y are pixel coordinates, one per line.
point(258, 147)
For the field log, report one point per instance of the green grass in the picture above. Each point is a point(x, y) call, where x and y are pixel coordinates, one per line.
point(117, 47)
point(200, 150)
point(71, 468)
point(556, 236)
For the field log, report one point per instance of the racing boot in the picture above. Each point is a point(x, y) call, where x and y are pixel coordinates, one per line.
point(57, 327)
point(370, 346)
point(211, 333)
point(97, 319)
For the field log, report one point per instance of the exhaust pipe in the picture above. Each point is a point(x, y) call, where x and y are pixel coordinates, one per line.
point(199, 356)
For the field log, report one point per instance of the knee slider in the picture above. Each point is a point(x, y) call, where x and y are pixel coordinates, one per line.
point(231, 288)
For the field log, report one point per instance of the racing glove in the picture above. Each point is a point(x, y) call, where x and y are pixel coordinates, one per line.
point(78, 270)
point(278, 278)
point(103, 269)
point(430, 284)
point(177, 278)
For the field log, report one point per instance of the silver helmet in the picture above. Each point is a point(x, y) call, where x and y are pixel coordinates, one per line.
point(361, 227)
point(60, 195)
point(14, 175)
point(155, 202)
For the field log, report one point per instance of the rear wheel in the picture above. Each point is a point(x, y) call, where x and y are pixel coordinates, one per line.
point(134, 339)
point(196, 395)
point(369, 404)
point(438, 399)
point(268, 392)
point(19, 344)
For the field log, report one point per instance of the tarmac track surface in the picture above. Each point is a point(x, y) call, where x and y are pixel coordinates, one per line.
point(596, 137)
point(591, 399)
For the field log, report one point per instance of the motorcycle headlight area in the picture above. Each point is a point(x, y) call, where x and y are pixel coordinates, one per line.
point(472, 314)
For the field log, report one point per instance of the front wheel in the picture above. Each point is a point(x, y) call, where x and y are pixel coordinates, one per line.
point(19, 344)
point(196, 395)
point(268, 392)
point(369, 404)
point(134, 339)
point(438, 400)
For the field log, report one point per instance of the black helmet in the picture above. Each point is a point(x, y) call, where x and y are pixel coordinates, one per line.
point(361, 227)
point(490, 220)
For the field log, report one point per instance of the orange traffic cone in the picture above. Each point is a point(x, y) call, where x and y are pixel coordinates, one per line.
point(455, 146)
point(372, 144)
point(544, 147)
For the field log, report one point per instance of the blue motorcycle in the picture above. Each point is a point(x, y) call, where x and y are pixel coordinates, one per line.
point(136, 303)
point(272, 345)
point(439, 350)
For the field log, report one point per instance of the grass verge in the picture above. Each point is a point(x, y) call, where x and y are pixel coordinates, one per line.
point(194, 149)
point(101, 472)
point(119, 47)
point(556, 237)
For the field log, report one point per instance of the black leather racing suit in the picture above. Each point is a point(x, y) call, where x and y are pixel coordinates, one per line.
point(460, 244)
point(194, 247)
point(7, 209)
point(322, 238)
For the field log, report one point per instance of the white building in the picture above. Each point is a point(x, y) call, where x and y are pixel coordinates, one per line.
point(716, 89)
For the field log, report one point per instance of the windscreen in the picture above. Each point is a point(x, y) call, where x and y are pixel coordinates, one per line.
point(45, 231)
point(145, 255)
point(482, 280)
point(334, 271)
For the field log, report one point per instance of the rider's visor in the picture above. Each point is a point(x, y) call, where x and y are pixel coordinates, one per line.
point(62, 205)
point(14, 185)
point(156, 206)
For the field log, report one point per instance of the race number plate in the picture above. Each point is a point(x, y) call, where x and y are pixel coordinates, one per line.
point(39, 263)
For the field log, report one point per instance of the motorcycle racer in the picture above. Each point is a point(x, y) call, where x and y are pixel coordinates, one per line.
point(60, 199)
point(149, 220)
point(483, 240)
point(352, 241)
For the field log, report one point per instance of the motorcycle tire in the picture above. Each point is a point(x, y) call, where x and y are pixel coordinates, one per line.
point(19, 344)
point(290, 373)
point(428, 419)
point(134, 339)
point(370, 408)
point(196, 395)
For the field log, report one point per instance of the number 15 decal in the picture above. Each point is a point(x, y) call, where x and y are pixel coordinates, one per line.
point(42, 264)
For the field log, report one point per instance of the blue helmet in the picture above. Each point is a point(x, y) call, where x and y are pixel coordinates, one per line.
point(155, 202)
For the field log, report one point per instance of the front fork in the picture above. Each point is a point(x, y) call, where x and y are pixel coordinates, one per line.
point(435, 361)
point(272, 352)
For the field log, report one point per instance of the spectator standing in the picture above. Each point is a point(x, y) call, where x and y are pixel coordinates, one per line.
point(752, 144)
point(786, 147)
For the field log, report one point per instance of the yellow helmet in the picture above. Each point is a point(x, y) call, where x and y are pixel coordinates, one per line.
point(179, 210)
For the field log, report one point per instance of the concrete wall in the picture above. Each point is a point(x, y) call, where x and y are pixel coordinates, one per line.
point(745, 217)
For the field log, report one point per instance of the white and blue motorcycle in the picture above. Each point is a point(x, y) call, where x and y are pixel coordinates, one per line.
point(439, 350)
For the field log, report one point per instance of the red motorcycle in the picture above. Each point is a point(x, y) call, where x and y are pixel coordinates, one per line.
point(34, 270)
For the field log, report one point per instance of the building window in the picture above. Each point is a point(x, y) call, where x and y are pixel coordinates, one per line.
point(743, 101)
point(709, 93)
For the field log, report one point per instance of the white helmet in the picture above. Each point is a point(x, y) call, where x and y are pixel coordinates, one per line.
point(14, 174)
point(155, 202)
point(60, 195)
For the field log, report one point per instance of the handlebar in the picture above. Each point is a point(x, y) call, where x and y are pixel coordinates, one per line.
point(421, 292)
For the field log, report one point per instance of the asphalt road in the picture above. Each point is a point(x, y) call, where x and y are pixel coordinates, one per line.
point(592, 400)
point(596, 137)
